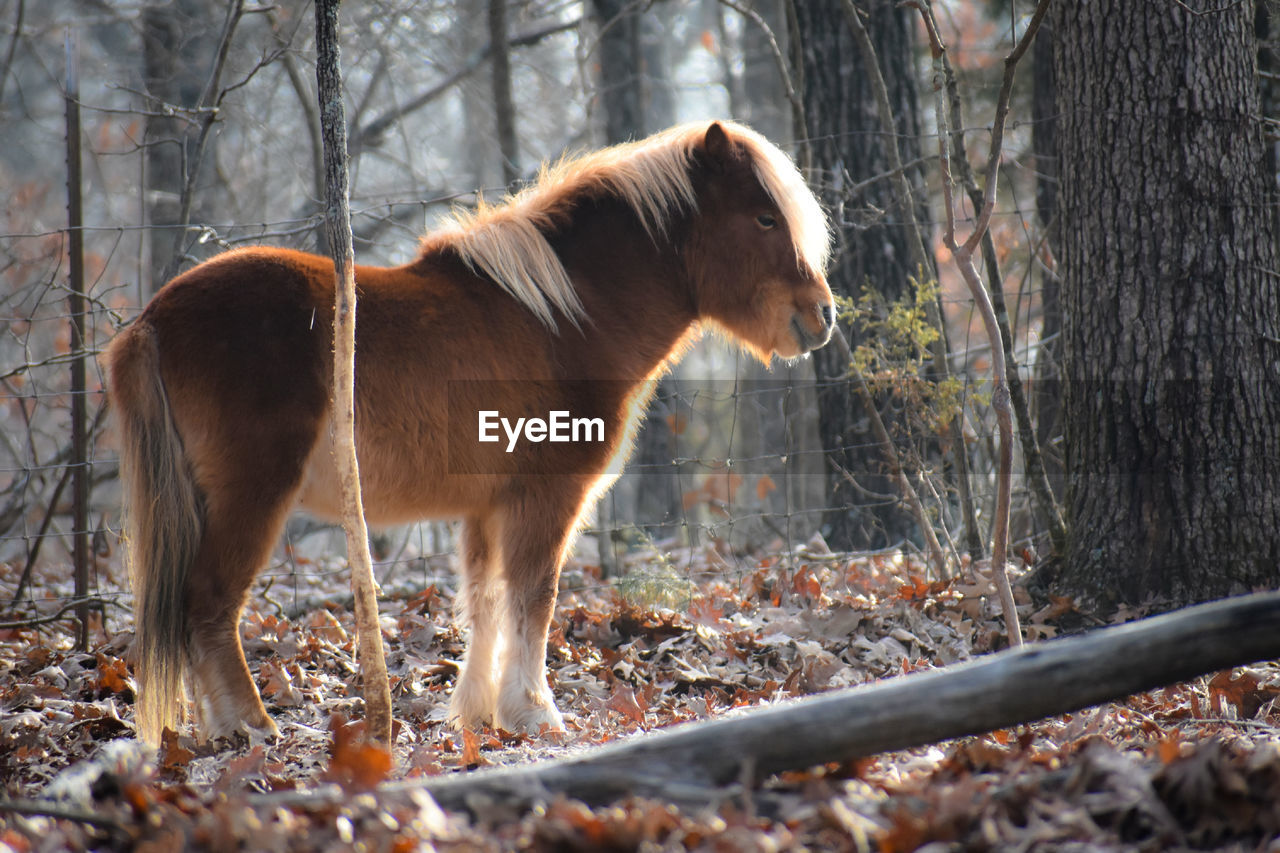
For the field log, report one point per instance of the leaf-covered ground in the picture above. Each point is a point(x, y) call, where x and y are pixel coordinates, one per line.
point(1194, 765)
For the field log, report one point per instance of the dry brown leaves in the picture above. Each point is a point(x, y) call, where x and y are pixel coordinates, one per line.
point(1194, 765)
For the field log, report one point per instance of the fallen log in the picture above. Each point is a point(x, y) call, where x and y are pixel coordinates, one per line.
point(1003, 689)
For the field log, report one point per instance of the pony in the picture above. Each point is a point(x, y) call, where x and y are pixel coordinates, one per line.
point(567, 299)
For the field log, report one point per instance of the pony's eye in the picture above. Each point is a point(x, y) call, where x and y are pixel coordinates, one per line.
point(767, 221)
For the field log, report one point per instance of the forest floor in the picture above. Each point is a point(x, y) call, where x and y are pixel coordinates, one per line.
point(1190, 766)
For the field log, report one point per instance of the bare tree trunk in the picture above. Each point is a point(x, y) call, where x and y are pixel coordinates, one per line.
point(962, 255)
point(373, 664)
point(659, 94)
point(504, 108)
point(1171, 304)
point(772, 416)
point(75, 304)
point(1033, 461)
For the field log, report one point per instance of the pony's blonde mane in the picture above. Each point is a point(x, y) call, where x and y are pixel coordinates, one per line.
point(506, 241)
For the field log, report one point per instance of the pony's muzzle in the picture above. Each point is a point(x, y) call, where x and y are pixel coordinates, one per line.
point(808, 338)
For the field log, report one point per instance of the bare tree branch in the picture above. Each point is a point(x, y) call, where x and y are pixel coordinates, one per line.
point(936, 554)
point(1032, 457)
point(919, 256)
point(92, 602)
point(963, 257)
point(371, 133)
point(209, 99)
point(375, 80)
point(997, 124)
point(307, 102)
point(797, 104)
point(67, 470)
point(13, 46)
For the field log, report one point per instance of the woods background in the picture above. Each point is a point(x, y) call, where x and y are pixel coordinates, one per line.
point(1132, 258)
point(199, 132)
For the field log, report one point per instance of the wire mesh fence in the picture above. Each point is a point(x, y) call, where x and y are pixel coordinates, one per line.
point(743, 474)
point(734, 469)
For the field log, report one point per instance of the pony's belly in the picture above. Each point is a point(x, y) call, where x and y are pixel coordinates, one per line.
point(395, 489)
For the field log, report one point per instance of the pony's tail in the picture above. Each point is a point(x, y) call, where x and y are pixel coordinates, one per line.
point(163, 522)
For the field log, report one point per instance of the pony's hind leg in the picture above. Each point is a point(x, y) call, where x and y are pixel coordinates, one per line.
point(249, 473)
point(535, 539)
point(236, 542)
point(475, 697)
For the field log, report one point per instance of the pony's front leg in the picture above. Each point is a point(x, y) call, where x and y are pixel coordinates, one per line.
point(534, 546)
point(475, 698)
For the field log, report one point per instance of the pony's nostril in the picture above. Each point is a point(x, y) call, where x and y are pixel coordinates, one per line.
point(829, 315)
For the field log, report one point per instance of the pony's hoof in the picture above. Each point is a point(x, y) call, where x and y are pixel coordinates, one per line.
point(252, 725)
point(471, 708)
point(460, 722)
point(239, 735)
point(531, 719)
point(266, 733)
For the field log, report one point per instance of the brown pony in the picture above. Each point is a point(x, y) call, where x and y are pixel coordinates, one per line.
point(570, 297)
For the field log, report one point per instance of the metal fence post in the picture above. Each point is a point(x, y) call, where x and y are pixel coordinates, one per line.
point(75, 301)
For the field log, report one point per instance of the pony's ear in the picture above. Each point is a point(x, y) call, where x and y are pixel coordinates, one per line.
point(719, 147)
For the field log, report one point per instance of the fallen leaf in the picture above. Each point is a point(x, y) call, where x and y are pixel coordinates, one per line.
point(1169, 746)
point(173, 755)
point(242, 767)
point(279, 687)
point(471, 756)
point(624, 701)
point(355, 763)
point(1245, 693)
point(326, 625)
point(113, 674)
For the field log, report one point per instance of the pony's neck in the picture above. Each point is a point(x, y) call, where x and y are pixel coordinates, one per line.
point(640, 312)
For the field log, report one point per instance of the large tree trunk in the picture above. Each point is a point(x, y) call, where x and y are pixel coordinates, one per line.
point(1171, 304)
point(847, 146)
point(179, 40)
